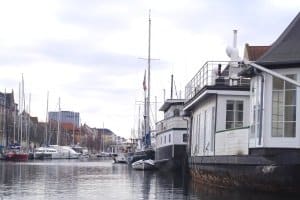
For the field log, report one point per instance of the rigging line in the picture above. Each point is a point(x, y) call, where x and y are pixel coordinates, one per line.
point(153, 122)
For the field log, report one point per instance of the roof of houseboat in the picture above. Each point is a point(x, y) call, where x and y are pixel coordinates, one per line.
point(253, 53)
point(286, 49)
point(169, 102)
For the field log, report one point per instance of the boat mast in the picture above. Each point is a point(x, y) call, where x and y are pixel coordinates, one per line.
point(4, 124)
point(46, 124)
point(58, 123)
point(172, 86)
point(15, 117)
point(73, 128)
point(21, 109)
point(103, 137)
point(28, 121)
point(147, 125)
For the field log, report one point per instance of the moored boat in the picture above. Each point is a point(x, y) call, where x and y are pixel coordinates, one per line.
point(171, 137)
point(45, 153)
point(65, 152)
point(17, 156)
point(143, 165)
point(244, 124)
point(15, 153)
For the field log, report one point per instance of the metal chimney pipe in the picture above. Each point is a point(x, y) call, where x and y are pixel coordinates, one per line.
point(234, 38)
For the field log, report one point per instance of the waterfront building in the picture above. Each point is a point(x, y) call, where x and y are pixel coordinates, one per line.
point(8, 114)
point(65, 117)
point(245, 119)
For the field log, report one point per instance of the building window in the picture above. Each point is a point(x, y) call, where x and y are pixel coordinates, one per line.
point(160, 139)
point(284, 108)
point(185, 137)
point(165, 139)
point(176, 112)
point(169, 138)
point(234, 114)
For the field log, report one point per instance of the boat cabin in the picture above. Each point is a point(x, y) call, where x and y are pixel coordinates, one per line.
point(241, 108)
point(171, 135)
point(274, 101)
point(218, 104)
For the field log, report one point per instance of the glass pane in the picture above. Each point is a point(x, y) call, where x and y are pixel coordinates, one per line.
point(229, 105)
point(290, 129)
point(277, 113)
point(277, 129)
point(277, 84)
point(185, 137)
point(290, 113)
point(290, 97)
point(289, 85)
point(277, 96)
point(239, 116)
point(229, 116)
point(240, 105)
point(229, 125)
point(238, 124)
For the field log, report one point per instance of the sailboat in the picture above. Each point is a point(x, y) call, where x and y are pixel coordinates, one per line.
point(15, 152)
point(144, 159)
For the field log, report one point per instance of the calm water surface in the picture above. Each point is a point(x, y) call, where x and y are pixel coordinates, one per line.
point(75, 179)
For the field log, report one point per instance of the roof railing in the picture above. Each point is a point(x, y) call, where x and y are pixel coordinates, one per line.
point(216, 73)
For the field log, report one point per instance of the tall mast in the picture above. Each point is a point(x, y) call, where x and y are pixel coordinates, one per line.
point(139, 123)
point(46, 124)
point(21, 109)
point(74, 128)
point(147, 125)
point(172, 86)
point(103, 137)
point(4, 122)
point(28, 121)
point(58, 123)
point(15, 117)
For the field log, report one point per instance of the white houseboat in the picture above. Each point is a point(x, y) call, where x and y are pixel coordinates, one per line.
point(245, 119)
point(171, 136)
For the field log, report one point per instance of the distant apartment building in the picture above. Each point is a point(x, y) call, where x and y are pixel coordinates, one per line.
point(8, 109)
point(65, 117)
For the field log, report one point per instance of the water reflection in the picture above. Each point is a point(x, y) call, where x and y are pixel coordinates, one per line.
point(74, 179)
point(212, 193)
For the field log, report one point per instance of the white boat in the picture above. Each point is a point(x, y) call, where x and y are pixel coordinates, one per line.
point(143, 165)
point(171, 135)
point(120, 158)
point(83, 151)
point(66, 152)
point(45, 153)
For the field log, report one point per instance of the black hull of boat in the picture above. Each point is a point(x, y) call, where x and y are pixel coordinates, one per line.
point(170, 157)
point(141, 155)
point(276, 170)
point(43, 156)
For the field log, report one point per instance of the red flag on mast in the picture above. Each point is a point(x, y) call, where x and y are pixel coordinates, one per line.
point(144, 82)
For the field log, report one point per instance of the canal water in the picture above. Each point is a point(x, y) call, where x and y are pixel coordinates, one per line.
point(76, 179)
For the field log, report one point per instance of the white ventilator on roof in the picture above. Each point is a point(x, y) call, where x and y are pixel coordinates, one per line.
point(233, 53)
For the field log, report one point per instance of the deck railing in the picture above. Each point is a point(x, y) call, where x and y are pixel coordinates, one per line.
point(215, 73)
point(173, 122)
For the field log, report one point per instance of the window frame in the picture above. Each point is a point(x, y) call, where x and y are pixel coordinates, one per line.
point(237, 118)
point(280, 107)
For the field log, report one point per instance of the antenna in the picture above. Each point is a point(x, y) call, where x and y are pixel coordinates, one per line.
point(172, 86)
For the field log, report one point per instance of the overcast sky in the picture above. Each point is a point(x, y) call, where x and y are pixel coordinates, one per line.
point(88, 52)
